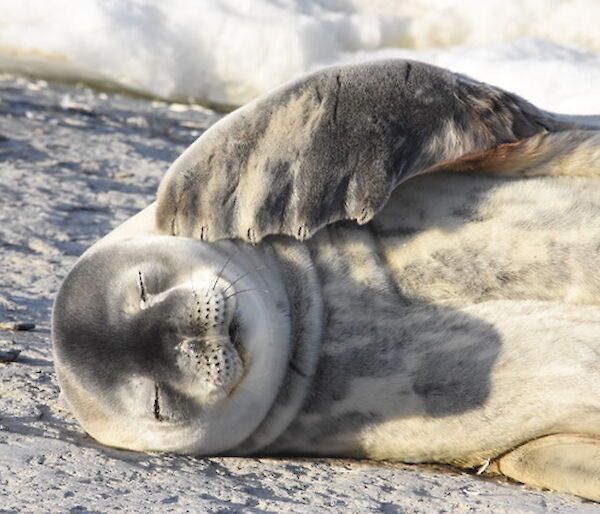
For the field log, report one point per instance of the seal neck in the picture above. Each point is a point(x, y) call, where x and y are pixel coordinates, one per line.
point(303, 290)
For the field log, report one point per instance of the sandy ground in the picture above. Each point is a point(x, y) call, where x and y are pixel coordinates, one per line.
point(73, 164)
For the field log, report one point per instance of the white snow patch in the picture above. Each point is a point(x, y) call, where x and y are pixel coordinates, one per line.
point(230, 51)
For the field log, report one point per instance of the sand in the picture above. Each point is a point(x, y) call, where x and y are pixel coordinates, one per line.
point(74, 163)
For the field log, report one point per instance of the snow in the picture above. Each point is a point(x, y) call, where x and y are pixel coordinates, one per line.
point(226, 52)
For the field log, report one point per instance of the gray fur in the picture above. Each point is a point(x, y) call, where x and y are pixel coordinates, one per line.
point(332, 146)
point(420, 339)
point(459, 323)
point(433, 340)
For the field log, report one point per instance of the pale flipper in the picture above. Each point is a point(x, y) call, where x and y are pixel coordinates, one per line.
point(566, 463)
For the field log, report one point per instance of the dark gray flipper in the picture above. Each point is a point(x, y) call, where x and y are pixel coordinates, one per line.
point(333, 145)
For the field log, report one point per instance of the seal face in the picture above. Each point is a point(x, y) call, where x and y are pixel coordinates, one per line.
point(163, 342)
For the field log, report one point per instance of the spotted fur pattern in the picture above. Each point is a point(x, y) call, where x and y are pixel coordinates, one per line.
point(297, 159)
point(461, 321)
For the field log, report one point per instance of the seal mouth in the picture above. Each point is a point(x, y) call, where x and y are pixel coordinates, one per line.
point(212, 365)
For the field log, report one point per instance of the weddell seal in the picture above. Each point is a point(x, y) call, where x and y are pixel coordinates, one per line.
point(457, 322)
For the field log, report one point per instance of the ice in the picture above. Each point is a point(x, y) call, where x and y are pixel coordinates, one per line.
point(226, 52)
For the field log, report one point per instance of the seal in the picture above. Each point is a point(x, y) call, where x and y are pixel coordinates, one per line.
point(457, 322)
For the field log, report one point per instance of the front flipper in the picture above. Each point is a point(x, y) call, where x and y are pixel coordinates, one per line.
point(565, 463)
point(332, 146)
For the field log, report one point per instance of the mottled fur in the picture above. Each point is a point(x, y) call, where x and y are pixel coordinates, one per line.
point(460, 325)
point(457, 330)
point(334, 144)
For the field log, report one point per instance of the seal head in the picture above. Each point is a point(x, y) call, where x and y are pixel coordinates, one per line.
point(165, 343)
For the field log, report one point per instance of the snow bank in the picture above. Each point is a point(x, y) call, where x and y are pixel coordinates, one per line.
point(229, 51)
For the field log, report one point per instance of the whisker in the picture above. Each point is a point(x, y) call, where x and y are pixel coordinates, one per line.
point(247, 291)
point(244, 275)
point(219, 275)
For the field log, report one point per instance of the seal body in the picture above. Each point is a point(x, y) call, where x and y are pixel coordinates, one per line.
point(448, 329)
point(458, 322)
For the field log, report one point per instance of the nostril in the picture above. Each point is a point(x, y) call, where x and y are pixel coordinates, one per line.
point(234, 329)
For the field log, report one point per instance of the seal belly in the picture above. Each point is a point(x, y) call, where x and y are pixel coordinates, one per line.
point(445, 318)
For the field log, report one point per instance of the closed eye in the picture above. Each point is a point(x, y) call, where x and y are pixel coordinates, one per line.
point(142, 287)
point(157, 414)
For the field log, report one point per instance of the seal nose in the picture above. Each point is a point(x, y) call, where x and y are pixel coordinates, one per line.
point(213, 365)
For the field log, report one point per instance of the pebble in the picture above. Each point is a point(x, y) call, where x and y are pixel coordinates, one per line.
point(16, 325)
point(9, 355)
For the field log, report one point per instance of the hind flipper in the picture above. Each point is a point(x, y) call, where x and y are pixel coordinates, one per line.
point(565, 463)
point(568, 153)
